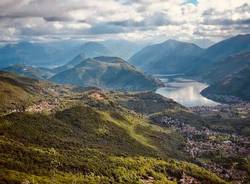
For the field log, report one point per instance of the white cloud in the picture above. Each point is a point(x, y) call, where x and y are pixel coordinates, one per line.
point(127, 19)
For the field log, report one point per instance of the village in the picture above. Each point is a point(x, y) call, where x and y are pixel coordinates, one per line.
point(210, 148)
point(226, 110)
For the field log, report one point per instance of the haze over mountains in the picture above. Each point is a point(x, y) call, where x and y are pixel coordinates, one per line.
point(53, 54)
point(38, 54)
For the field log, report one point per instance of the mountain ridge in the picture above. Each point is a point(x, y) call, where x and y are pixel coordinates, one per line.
point(170, 56)
point(107, 72)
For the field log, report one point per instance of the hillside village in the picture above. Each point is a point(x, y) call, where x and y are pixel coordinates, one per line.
point(210, 148)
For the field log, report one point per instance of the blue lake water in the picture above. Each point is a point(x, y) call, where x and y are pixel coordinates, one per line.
point(184, 91)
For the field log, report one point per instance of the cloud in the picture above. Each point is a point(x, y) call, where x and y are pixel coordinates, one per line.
point(127, 19)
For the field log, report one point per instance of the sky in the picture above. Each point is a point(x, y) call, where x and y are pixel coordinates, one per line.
point(200, 21)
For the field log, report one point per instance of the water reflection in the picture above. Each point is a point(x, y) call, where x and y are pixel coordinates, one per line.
point(184, 91)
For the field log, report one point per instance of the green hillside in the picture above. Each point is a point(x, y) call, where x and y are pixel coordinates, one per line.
point(84, 145)
point(16, 92)
point(107, 73)
point(91, 137)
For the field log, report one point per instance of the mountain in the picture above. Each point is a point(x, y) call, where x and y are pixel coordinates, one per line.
point(108, 73)
point(22, 53)
point(170, 56)
point(88, 50)
point(218, 52)
point(28, 71)
point(227, 67)
point(75, 61)
point(229, 77)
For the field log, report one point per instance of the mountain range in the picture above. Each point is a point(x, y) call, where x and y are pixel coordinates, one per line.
point(169, 57)
point(221, 62)
point(37, 54)
point(53, 54)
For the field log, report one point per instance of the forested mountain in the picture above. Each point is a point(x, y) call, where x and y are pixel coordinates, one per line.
point(108, 73)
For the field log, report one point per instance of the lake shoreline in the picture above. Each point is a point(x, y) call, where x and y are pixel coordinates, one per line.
point(184, 90)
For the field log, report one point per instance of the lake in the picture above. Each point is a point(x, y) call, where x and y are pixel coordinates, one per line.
point(184, 91)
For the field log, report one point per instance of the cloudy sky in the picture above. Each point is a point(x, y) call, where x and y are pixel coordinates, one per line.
point(135, 20)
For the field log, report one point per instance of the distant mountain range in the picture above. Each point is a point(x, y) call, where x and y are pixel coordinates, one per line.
point(222, 63)
point(170, 56)
point(53, 54)
point(37, 54)
point(108, 73)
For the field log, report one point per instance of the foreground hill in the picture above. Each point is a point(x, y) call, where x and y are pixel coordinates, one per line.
point(17, 92)
point(108, 73)
point(168, 57)
point(90, 139)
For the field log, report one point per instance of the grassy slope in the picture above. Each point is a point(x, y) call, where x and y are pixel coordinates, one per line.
point(83, 144)
point(16, 92)
point(99, 143)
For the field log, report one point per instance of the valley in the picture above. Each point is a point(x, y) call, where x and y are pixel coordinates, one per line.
point(100, 119)
point(125, 92)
